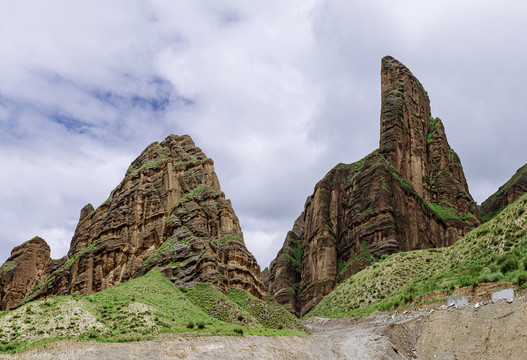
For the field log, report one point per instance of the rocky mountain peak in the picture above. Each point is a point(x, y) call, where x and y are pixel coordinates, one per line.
point(415, 143)
point(169, 212)
point(409, 194)
point(405, 113)
point(180, 150)
point(85, 211)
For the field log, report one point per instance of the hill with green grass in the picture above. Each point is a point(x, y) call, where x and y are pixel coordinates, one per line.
point(141, 308)
point(495, 251)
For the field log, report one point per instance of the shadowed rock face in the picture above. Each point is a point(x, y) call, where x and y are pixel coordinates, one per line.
point(169, 212)
point(506, 194)
point(409, 194)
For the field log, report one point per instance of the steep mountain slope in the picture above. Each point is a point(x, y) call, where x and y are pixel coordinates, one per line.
point(409, 194)
point(506, 194)
point(168, 211)
point(496, 251)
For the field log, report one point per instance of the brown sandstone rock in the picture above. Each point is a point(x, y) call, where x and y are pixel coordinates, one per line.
point(85, 211)
point(283, 279)
point(22, 271)
point(205, 245)
point(415, 143)
point(265, 277)
point(506, 194)
point(168, 211)
point(410, 194)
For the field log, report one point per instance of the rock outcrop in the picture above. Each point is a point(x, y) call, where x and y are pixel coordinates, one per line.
point(168, 212)
point(409, 194)
point(506, 194)
point(205, 245)
point(415, 143)
point(22, 271)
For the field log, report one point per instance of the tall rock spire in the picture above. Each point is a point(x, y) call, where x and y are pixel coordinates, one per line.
point(405, 110)
point(415, 143)
point(409, 194)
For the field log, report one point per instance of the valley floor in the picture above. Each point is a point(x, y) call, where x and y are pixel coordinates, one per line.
point(489, 331)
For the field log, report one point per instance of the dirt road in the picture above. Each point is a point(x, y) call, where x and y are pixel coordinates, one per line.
point(486, 331)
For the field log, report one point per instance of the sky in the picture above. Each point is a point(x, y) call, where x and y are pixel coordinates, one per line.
point(276, 92)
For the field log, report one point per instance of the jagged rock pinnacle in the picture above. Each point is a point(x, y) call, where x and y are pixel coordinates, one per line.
point(409, 194)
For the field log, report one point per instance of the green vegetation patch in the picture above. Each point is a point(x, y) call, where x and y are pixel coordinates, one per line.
point(295, 252)
point(139, 309)
point(198, 193)
point(7, 266)
point(218, 305)
point(445, 213)
point(268, 313)
point(341, 267)
point(366, 252)
point(432, 126)
point(132, 170)
point(221, 243)
point(169, 246)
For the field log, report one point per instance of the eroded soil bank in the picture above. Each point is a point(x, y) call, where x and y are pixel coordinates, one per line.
point(487, 331)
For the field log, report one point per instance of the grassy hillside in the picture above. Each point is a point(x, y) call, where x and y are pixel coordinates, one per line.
point(141, 308)
point(495, 251)
point(240, 307)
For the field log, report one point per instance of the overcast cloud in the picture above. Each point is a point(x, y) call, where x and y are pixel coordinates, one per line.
point(276, 92)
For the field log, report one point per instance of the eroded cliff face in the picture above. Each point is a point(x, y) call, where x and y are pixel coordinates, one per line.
point(415, 143)
point(409, 194)
point(506, 194)
point(168, 211)
point(205, 245)
point(22, 270)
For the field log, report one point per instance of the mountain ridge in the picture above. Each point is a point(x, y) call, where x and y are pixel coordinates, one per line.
point(506, 194)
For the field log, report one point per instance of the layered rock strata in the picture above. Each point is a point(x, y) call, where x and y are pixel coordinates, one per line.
point(415, 143)
point(409, 194)
point(205, 245)
point(168, 212)
point(506, 194)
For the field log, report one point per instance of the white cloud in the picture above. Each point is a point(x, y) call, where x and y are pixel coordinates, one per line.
point(275, 92)
point(262, 242)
